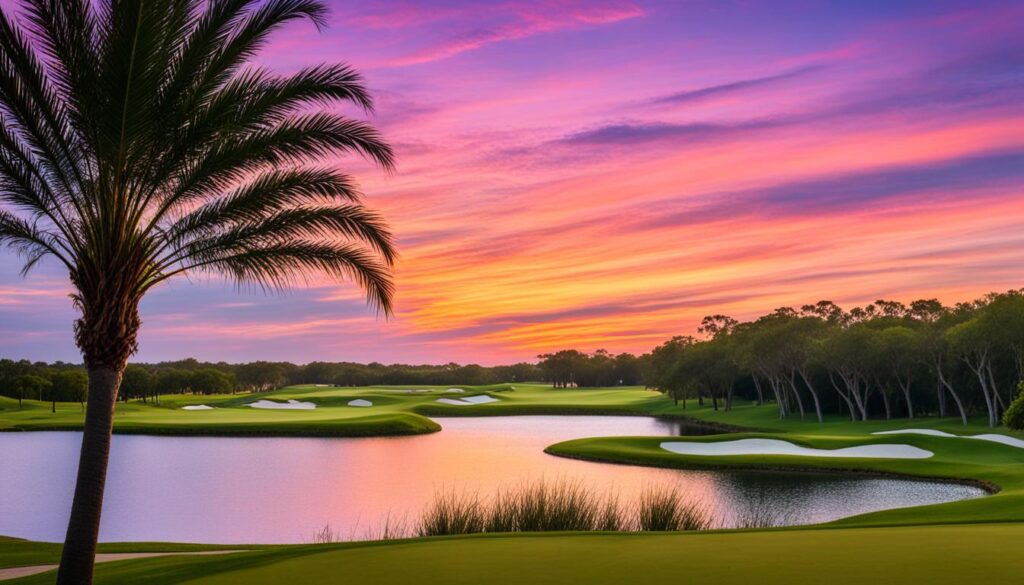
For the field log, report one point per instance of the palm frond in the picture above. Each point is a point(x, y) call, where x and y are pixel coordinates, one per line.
point(29, 241)
point(332, 223)
point(139, 143)
point(296, 140)
point(281, 265)
point(267, 193)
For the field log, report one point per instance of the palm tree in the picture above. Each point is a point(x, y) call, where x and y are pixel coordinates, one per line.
point(139, 143)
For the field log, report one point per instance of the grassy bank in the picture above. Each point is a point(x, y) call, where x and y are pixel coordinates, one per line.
point(395, 410)
point(997, 467)
point(938, 555)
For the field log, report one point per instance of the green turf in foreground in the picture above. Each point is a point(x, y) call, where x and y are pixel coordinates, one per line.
point(937, 555)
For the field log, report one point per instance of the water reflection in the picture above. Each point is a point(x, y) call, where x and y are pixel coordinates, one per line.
point(265, 490)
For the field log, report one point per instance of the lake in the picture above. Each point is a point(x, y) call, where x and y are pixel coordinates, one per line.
point(282, 490)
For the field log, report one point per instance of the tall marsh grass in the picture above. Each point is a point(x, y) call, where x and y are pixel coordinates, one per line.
point(564, 505)
point(662, 509)
point(543, 506)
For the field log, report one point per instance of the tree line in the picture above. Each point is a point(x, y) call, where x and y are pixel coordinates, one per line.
point(884, 359)
point(65, 382)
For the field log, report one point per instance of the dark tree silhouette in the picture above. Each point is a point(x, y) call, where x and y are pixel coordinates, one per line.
point(139, 143)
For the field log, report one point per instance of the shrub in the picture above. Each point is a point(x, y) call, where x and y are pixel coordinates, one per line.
point(1014, 415)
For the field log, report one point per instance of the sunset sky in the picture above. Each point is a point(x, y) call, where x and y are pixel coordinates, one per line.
point(601, 174)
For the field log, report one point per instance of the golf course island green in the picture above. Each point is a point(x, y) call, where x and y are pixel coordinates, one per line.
point(949, 543)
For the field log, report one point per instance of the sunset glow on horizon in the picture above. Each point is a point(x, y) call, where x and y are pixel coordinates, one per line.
point(602, 174)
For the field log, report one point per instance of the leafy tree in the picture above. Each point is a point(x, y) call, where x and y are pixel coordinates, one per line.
point(973, 343)
point(260, 375)
point(139, 144)
point(29, 385)
point(1014, 415)
point(664, 371)
point(210, 381)
point(562, 368)
point(901, 352)
point(137, 382)
point(68, 386)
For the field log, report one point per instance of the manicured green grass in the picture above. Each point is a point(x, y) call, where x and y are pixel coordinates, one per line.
point(394, 411)
point(937, 555)
point(16, 552)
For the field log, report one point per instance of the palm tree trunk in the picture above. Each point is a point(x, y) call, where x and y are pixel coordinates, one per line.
point(76, 562)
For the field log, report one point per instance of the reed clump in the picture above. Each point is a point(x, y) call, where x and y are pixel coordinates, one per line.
point(544, 506)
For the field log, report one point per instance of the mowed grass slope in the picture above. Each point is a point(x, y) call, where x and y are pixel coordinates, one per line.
point(937, 555)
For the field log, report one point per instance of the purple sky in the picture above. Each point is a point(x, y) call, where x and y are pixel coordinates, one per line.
point(604, 173)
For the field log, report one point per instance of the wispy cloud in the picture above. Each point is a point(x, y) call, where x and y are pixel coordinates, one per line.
point(735, 87)
point(527, 21)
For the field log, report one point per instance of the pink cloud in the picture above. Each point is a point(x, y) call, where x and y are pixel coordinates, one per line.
point(528, 21)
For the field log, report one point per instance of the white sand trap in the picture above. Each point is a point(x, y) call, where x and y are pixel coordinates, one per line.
point(197, 407)
point(454, 391)
point(929, 432)
point(777, 447)
point(290, 405)
point(482, 399)
point(359, 402)
point(1002, 439)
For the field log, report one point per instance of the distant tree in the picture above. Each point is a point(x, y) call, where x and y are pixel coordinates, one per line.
point(627, 370)
point(210, 381)
point(260, 375)
point(561, 368)
point(137, 382)
point(900, 351)
point(29, 385)
point(68, 386)
point(170, 381)
point(665, 372)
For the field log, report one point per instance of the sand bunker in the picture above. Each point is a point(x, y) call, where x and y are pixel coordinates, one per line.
point(1003, 439)
point(197, 407)
point(1000, 439)
point(482, 399)
point(777, 447)
point(929, 432)
point(454, 391)
point(359, 402)
point(290, 405)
